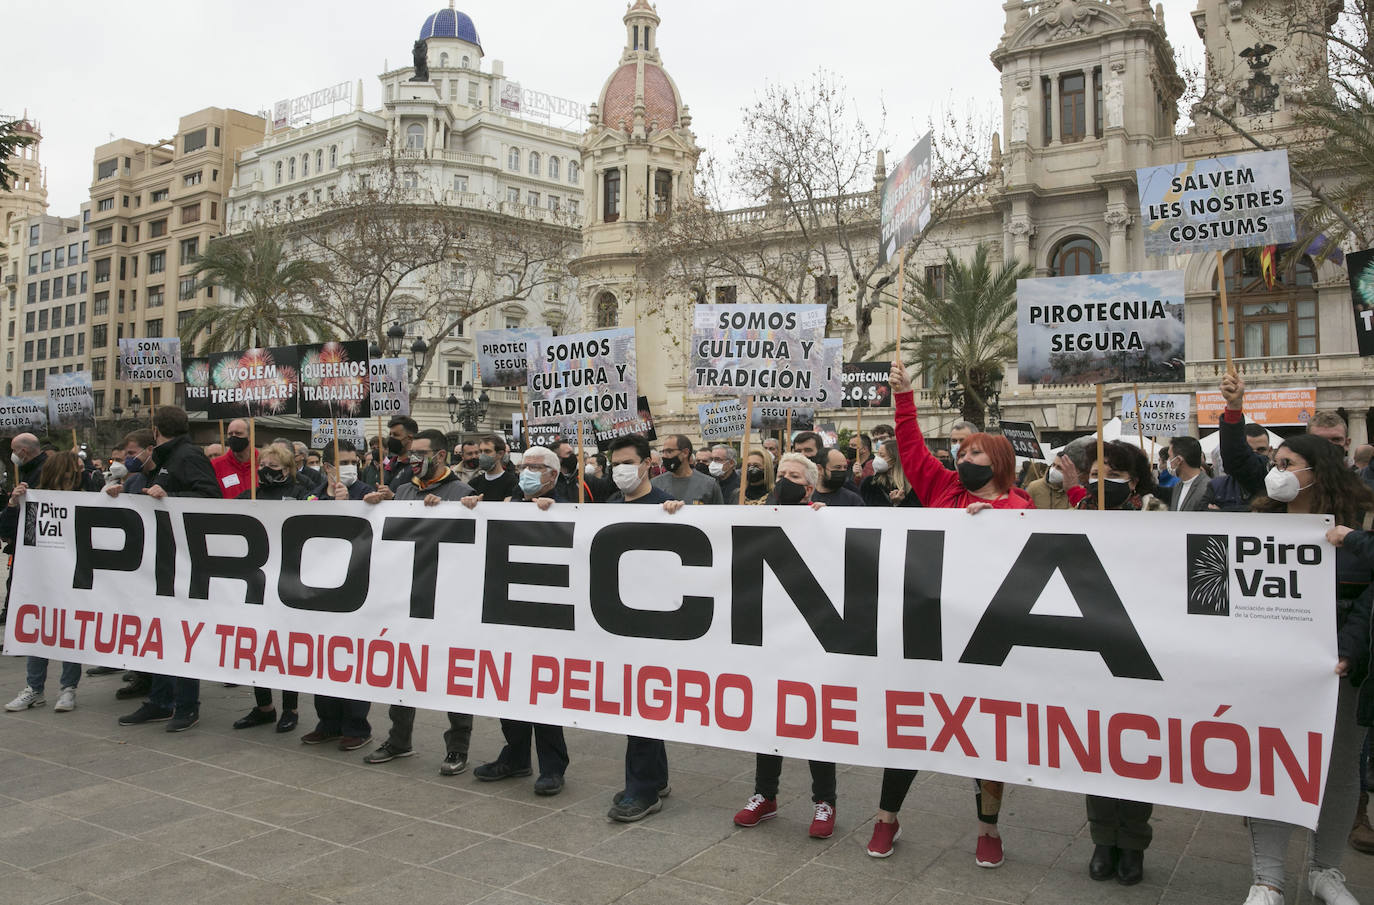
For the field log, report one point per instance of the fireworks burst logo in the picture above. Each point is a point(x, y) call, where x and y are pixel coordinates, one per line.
point(343, 394)
point(264, 384)
point(1209, 575)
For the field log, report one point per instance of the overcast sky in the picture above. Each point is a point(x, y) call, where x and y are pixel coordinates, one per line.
point(91, 72)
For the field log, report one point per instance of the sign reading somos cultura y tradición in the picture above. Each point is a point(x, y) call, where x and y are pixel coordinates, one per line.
point(1217, 204)
point(583, 377)
point(757, 350)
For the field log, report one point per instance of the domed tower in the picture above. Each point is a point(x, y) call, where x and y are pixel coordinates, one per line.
point(452, 40)
point(638, 159)
point(29, 193)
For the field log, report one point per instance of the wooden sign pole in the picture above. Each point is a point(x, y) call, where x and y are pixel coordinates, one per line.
point(1225, 313)
point(788, 430)
point(744, 445)
point(525, 420)
point(221, 433)
point(335, 423)
point(1139, 422)
point(581, 467)
point(901, 296)
point(252, 457)
point(1101, 458)
point(381, 450)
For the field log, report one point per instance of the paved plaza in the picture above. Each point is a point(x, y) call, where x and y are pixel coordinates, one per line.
point(91, 812)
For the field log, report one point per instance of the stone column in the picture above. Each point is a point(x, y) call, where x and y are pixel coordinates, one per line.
point(1021, 230)
point(1119, 220)
point(1358, 428)
point(1056, 117)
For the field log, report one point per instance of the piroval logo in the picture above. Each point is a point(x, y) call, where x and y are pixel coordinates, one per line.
point(44, 524)
point(1209, 575)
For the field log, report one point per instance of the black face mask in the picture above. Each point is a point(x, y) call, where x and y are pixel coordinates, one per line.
point(271, 477)
point(974, 477)
point(237, 444)
point(672, 463)
point(948, 463)
point(834, 480)
point(395, 446)
point(1117, 492)
point(789, 493)
point(568, 464)
point(755, 474)
point(704, 468)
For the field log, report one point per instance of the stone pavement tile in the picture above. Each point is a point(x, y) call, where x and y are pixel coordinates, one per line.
point(908, 861)
point(426, 799)
point(687, 818)
point(485, 814)
point(285, 806)
point(339, 874)
point(578, 881)
point(128, 763)
point(297, 767)
point(52, 842)
point(188, 774)
point(785, 836)
point(1032, 846)
point(1011, 882)
point(1065, 887)
point(1065, 816)
point(509, 897)
point(90, 799)
point(817, 884)
point(26, 888)
point(175, 884)
point(735, 869)
point(19, 765)
point(924, 894)
point(361, 784)
point(1159, 864)
point(200, 834)
point(49, 782)
point(643, 848)
point(565, 831)
point(421, 843)
point(100, 867)
point(22, 817)
point(421, 886)
point(147, 814)
point(226, 794)
point(498, 862)
point(83, 898)
point(350, 823)
point(1221, 880)
point(672, 891)
point(262, 892)
point(690, 783)
point(730, 794)
point(268, 853)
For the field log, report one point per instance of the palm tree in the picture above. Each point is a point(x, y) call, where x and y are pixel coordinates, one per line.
point(963, 327)
point(267, 289)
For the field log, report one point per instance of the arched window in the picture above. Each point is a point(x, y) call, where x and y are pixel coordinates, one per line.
point(278, 172)
point(415, 137)
point(513, 160)
point(607, 311)
point(553, 167)
point(465, 62)
point(443, 60)
point(333, 156)
point(535, 164)
point(574, 169)
point(319, 161)
point(1074, 257)
point(291, 169)
point(305, 165)
point(610, 195)
point(1266, 322)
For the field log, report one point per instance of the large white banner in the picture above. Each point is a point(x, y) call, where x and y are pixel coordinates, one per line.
point(1027, 647)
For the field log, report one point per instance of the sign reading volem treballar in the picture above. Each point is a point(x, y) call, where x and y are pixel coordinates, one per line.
point(1217, 203)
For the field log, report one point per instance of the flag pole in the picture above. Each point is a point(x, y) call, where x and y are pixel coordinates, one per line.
point(1101, 460)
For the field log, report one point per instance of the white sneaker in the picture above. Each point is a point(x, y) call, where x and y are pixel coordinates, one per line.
point(66, 701)
point(1263, 895)
point(27, 698)
point(1329, 886)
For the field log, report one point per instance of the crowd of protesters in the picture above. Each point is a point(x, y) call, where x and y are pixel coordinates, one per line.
point(893, 466)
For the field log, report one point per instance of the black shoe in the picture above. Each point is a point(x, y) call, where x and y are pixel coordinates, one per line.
point(138, 688)
point(548, 784)
point(288, 721)
point(148, 713)
point(102, 670)
point(1103, 863)
point(662, 793)
point(629, 810)
point(454, 763)
point(183, 722)
point(255, 717)
point(1130, 867)
point(499, 770)
point(385, 753)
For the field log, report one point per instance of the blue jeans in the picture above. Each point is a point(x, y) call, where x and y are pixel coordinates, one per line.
point(38, 673)
point(174, 693)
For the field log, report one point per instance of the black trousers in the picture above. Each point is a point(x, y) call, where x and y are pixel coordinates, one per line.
point(1125, 824)
point(289, 699)
point(340, 716)
point(646, 767)
point(768, 770)
point(549, 747)
point(456, 737)
point(896, 783)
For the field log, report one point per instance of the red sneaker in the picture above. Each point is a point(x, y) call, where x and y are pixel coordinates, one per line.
point(823, 824)
point(989, 853)
point(884, 835)
point(756, 810)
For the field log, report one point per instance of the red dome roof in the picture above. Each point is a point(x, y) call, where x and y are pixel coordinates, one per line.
point(618, 100)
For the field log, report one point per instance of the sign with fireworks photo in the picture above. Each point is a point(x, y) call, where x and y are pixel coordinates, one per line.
point(254, 383)
point(335, 380)
point(1361, 269)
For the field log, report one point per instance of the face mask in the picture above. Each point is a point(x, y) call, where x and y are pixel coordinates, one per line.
point(470, 462)
point(789, 492)
point(117, 471)
point(237, 444)
point(395, 446)
point(755, 474)
point(1283, 486)
point(530, 482)
point(271, 476)
point(1117, 492)
point(716, 469)
point(348, 475)
point(132, 464)
point(954, 451)
point(1055, 477)
point(672, 463)
point(834, 480)
point(626, 477)
point(423, 466)
point(486, 463)
point(589, 469)
point(880, 466)
point(568, 464)
point(14, 457)
point(703, 467)
point(974, 477)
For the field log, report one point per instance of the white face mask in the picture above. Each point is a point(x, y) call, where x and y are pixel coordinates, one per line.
point(589, 470)
point(954, 450)
point(14, 457)
point(880, 465)
point(348, 475)
point(626, 477)
point(1055, 477)
point(1283, 486)
point(716, 468)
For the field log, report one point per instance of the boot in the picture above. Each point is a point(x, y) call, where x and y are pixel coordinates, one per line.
point(1362, 835)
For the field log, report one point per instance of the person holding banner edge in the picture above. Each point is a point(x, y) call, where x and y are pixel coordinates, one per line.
point(1310, 476)
point(984, 478)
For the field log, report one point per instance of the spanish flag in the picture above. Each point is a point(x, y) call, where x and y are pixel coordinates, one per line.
point(1269, 264)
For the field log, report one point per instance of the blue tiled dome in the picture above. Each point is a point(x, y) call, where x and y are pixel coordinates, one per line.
point(449, 23)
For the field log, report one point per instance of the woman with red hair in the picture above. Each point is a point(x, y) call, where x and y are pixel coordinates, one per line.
point(984, 478)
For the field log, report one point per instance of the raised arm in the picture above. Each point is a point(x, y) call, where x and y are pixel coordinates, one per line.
point(1237, 458)
point(930, 480)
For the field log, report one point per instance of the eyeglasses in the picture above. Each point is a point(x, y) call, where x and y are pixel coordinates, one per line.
point(1287, 465)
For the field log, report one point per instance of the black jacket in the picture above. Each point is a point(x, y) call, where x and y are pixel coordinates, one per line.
point(291, 490)
point(183, 470)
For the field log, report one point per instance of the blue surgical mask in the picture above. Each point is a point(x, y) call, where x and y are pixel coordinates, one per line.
point(530, 482)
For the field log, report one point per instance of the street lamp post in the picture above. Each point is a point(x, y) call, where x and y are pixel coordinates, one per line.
point(954, 395)
point(467, 411)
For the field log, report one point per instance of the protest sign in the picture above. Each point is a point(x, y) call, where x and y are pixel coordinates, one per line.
point(605, 430)
point(753, 350)
point(1159, 415)
point(720, 421)
point(150, 360)
point(196, 377)
point(828, 391)
point(751, 628)
point(583, 377)
point(1217, 203)
point(70, 403)
point(523, 435)
point(1291, 407)
point(1100, 328)
point(770, 415)
point(503, 355)
point(254, 383)
point(336, 380)
point(354, 430)
point(23, 414)
point(905, 200)
point(865, 385)
point(390, 390)
point(1023, 439)
point(1360, 266)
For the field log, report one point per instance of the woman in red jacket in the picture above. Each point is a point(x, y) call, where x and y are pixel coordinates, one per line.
point(984, 478)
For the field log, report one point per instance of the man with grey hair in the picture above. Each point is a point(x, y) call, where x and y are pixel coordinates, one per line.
point(539, 470)
point(722, 467)
point(960, 432)
point(1049, 492)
